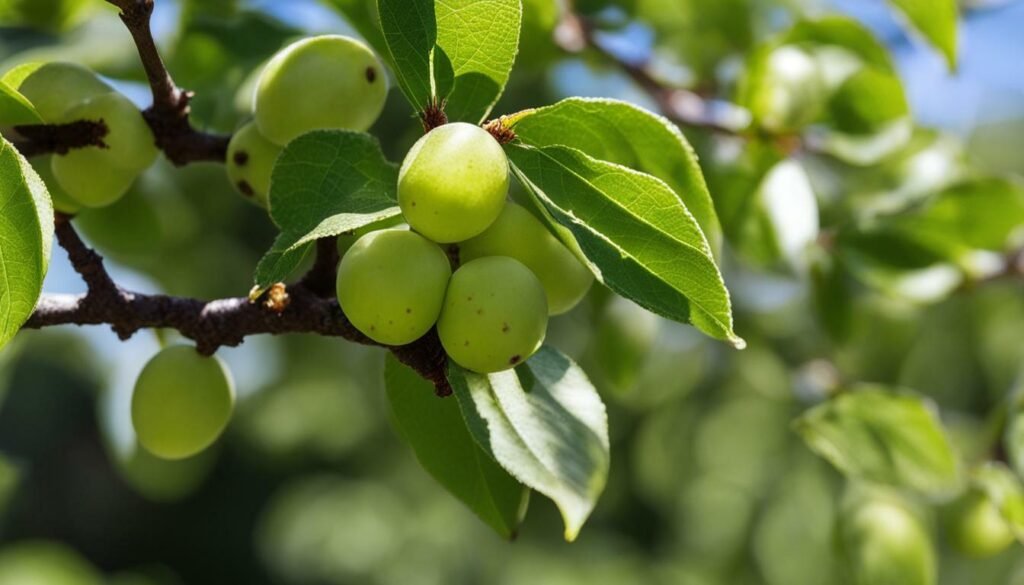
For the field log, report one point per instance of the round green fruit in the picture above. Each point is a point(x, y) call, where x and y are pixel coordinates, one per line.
point(976, 527)
point(391, 285)
point(96, 176)
point(318, 83)
point(250, 163)
point(790, 92)
point(453, 183)
point(54, 88)
point(495, 315)
point(62, 202)
point(181, 403)
point(518, 234)
point(886, 544)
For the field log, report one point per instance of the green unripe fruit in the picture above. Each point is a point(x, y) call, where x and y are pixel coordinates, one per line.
point(54, 88)
point(250, 163)
point(96, 176)
point(89, 180)
point(976, 528)
point(885, 544)
point(62, 202)
point(453, 183)
point(181, 403)
point(495, 315)
point(518, 234)
point(391, 285)
point(318, 83)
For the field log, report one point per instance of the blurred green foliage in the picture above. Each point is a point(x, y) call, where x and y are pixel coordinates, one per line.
point(896, 283)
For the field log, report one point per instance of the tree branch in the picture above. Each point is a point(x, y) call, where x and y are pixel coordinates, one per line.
point(211, 324)
point(168, 117)
point(684, 107)
point(39, 139)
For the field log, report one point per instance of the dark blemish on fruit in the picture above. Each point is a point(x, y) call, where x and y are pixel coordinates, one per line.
point(479, 311)
point(515, 359)
point(241, 158)
point(371, 74)
point(504, 327)
point(390, 322)
point(373, 327)
point(469, 298)
point(246, 188)
point(408, 311)
point(466, 344)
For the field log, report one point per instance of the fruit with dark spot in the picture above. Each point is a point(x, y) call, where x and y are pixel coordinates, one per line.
point(391, 285)
point(250, 162)
point(453, 183)
point(322, 82)
point(518, 234)
point(495, 314)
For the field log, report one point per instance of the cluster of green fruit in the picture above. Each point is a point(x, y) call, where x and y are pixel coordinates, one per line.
point(93, 176)
point(492, 313)
point(325, 82)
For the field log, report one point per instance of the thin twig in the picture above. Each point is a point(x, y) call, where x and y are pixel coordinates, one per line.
point(168, 117)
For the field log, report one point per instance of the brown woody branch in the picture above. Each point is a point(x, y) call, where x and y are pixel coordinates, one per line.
point(39, 139)
point(168, 117)
point(217, 323)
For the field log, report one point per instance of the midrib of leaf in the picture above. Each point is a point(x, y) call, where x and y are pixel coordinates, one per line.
point(724, 326)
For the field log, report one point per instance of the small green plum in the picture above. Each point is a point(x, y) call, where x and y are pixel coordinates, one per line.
point(976, 528)
point(54, 88)
point(62, 202)
point(453, 183)
point(518, 234)
point(318, 83)
point(391, 285)
point(250, 163)
point(182, 402)
point(886, 544)
point(495, 315)
point(89, 180)
point(96, 176)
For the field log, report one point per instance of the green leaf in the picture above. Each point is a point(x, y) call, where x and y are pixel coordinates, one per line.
point(434, 429)
point(546, 425)
point(882, 435)
point(982, 214)
point(628, 135)
point(459, 50)
point(868, 101)
point(842, 32)
point(26, 234)
point(635, 234)
point(15, 109)
point(325, 183)
point(936, 20)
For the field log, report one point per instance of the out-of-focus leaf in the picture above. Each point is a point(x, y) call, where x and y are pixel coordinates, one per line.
point(783, 87)
point(868, 101)
point(15, 109)
point(325, 183)
point(936, 20)
point(882, 435)
point(26, 234)
point(841, 31)
point(546, 425)
point(634, 233)
point(459, 51)
point(625, 134)
point(435, 430)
